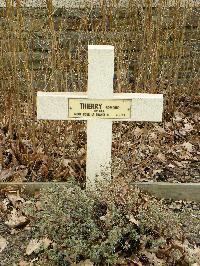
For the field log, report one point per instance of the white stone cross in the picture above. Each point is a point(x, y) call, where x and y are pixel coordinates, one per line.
point(99, 106)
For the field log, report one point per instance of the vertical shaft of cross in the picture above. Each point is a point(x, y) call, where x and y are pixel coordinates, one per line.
point(99, 132)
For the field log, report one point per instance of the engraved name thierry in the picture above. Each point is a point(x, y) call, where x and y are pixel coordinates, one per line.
point(97, 106)
point(90, 106)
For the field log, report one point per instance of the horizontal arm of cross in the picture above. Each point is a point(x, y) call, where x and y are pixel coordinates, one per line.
point(144, 107)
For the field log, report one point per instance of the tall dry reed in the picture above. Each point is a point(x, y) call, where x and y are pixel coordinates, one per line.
point(45, 48)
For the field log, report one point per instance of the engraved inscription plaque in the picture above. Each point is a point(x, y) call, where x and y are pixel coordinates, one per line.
point(99, 108)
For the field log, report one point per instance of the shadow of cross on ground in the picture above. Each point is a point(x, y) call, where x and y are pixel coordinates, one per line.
point(100, 107)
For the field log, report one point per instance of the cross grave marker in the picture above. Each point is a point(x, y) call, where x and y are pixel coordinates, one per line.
point(100, 107)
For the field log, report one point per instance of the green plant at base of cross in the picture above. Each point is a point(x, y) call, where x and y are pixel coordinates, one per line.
point(108, 226)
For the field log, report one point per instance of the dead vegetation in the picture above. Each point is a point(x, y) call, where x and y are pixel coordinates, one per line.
point(157, 51)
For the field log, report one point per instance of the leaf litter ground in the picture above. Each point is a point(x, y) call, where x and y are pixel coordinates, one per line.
point(167, 151)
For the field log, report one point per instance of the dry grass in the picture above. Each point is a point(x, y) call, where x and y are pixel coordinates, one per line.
point(156, 50)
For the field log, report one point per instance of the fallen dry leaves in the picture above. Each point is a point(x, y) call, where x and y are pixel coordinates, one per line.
point(6, 175)
point(33, 246)
point(16, 220)
point(132, 219)
point(36, 244)
point(15, 198)
point(46, 242)
point(3, 243)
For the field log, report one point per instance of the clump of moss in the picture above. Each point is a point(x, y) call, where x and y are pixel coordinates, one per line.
point(114, 222)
